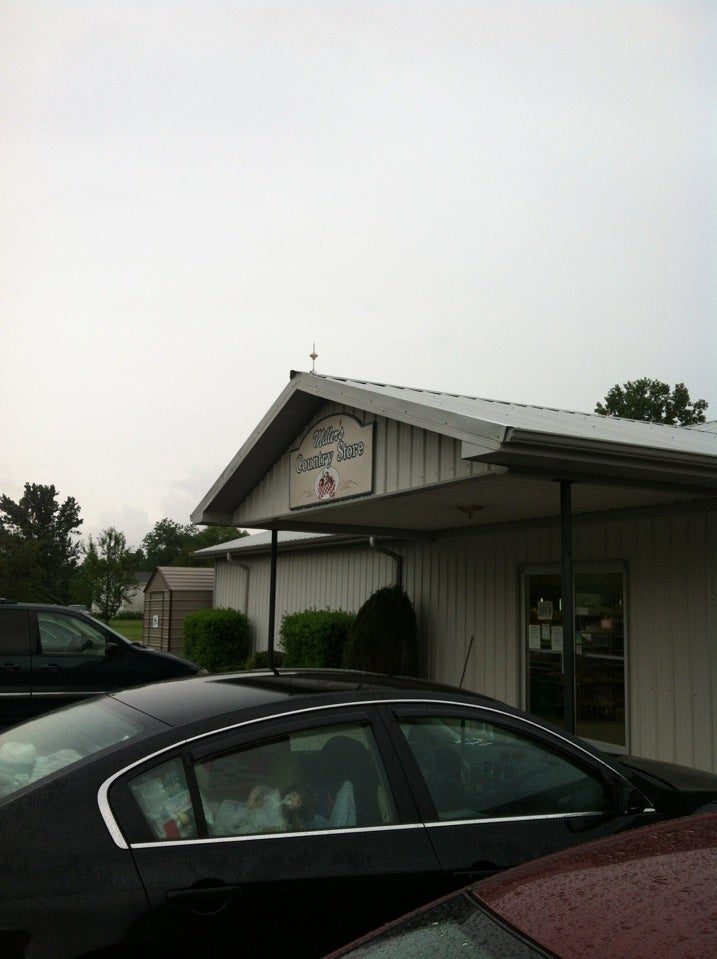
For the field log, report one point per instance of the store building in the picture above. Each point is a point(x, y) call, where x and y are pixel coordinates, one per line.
point(485, 512)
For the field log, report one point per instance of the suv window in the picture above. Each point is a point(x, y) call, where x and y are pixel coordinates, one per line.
point(14, 635)
point(480, 769)
point(60, 633)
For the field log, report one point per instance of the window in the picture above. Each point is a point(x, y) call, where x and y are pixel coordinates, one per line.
point(479, 769)
point(14, 636)
point(43, 746)
point(69, 634)
point(162, 794)
point(326, 778)
point(598, 650)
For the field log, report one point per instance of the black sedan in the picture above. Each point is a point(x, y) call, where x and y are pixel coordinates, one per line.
point(284, 813)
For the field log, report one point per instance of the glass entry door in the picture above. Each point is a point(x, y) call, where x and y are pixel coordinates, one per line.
point(599, 651)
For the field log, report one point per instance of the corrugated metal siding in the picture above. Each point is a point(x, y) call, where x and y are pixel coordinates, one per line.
point(469, 585)
point(338, 578)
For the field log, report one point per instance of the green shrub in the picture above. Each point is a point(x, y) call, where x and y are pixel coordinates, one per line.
point(384, 636)
point(315, 638)
point(217, 639)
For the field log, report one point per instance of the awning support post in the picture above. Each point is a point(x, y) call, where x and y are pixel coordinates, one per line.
point(566, 543)
point(272, 599)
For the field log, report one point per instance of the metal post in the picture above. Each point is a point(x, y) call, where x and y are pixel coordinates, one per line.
point(272, 599)
point(566, 542)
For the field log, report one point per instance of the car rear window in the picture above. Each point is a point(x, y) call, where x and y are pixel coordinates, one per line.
point(34, 750)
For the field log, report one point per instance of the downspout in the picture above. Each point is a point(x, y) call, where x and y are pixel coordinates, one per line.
point(246, 568)
point(374, 544)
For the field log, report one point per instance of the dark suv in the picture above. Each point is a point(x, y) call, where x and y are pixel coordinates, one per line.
point(52, 655)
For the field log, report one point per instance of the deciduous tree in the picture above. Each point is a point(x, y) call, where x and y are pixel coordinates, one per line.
point(40, 542)
point(171, 544)
point(654, 402)
point(108, 572)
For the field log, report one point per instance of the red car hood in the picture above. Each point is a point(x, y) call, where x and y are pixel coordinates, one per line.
point(648, 892)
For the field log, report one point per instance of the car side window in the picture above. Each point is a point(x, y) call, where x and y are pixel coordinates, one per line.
point(310, 779)
point(163, 797)
point(60, 634)
point(330, 777)
point(14, 635)
point(479, 769)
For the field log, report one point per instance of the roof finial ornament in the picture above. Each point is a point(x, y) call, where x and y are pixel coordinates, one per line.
point(313, 356)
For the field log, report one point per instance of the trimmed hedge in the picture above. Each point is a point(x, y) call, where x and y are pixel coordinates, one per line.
point(384, 636)
point(314, 638)
point(217, 639)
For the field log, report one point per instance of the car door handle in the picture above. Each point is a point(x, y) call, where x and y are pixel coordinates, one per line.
point(53, 667)
point(11, 667)
point(203, 897)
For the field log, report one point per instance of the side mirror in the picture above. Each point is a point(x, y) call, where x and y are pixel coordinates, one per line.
point(629, 800)
point(112, 649)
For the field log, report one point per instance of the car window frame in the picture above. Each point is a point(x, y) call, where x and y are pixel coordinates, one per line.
point(85, 626)
point(125, 819)
point(534, 732)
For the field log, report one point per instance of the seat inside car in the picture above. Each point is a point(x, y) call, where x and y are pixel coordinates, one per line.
point(345, 760)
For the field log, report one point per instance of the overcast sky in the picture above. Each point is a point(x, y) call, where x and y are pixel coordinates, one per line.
point(509, 199)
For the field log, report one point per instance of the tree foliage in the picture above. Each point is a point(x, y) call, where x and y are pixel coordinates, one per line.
point(654, 402)
point(172, 544)
point(39, 544)
point(164, 543)
point(108, 572)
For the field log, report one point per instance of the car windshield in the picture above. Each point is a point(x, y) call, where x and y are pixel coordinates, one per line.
point(456, 927)
point(35, 749)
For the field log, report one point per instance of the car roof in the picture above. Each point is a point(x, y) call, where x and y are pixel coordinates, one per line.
point(55, 606)
point(649, 891)
point(196, 698)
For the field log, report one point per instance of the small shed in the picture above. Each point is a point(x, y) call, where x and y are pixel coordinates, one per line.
point(172, 592)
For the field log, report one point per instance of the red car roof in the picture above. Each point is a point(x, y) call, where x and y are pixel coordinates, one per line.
point(647, 892)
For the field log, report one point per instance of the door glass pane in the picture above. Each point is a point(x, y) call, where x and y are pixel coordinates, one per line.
point(544, 636)
point(600, 657)
point(14, 635)
point(477, 770)
point(599, 652)
point(69, 634)
point(327, 778)
point(163, 796)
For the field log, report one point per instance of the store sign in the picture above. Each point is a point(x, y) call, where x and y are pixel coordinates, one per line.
point(333, 462)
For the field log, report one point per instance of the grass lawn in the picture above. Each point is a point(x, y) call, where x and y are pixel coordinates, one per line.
point(131, 628)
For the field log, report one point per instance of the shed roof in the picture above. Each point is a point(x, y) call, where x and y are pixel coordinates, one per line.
point(177, 578)
point(530, 441)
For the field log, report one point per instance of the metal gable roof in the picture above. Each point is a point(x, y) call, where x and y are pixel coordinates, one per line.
point(182, 578)
point(529, 440)
point(469, 417)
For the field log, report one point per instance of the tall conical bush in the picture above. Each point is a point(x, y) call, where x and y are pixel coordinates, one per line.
point(384, 635)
